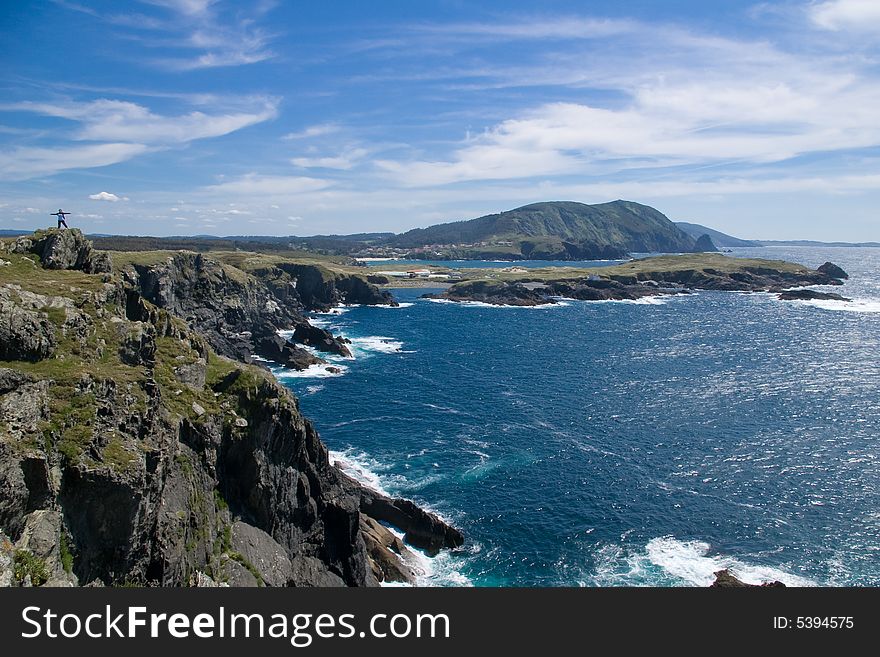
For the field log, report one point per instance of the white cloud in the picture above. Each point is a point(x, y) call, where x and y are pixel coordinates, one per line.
point(115, 120)
point(107, 196)
point(318, 130)
point(851, 15)
point(187, 7)
point(22, 163)
point(254, 184)
point(743, 104)
point(344, 161)
point(130, 129)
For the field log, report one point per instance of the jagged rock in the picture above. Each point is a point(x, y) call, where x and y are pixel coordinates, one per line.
point(64, 249)
point(41, 537)
point(263, 553)
point(387, 553)
point(833, 271)
point(422, 529)
point(724, 579)
point(138, 343)
point(320, 289)
point(311, 572)
point(24, 334)
point(320, 339)
point(198, 409)
point(278, 350)
point(192, 374)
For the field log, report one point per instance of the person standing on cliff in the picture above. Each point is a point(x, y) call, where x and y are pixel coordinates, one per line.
point(60, 214)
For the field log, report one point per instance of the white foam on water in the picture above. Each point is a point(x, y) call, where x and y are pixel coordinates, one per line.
point(440, 570)
point(644, 301)
point(405, 304)
point(376, 344)
point(360, 467)
point(667, 560)
point(481, 304)
point(318, 371)
point(311, 390)
point(854, 306)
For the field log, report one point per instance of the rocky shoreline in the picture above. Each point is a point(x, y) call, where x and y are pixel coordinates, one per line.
point(652, 277)
point(139, 445)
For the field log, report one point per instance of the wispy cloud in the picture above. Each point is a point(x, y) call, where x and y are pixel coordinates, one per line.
point(26, 162)
point(344, 161)
point(220, 33)
point(115, 120)
point(128, 128)
point(749, 101)
point(319, 130)
point(254, 184)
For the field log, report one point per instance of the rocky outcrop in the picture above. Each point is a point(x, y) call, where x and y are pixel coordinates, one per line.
point(229, 308)
point(833, 271)
point(724, 579)
point(321, 289)
point(64, 249)
point(24, 334)
point(240, 313)
point(321, 339)
point(704, 244)
point(135, 454)
point(810, 295)
point(279, 350)
point(422, 529)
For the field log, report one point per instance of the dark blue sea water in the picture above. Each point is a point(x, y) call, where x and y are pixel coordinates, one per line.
point(625, 443)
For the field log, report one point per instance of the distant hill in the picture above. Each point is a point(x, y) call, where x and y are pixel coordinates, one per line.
point(562, 230)
point(718, 238)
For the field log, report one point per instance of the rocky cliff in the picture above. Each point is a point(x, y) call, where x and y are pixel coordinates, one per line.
point(240, 311)
point(131, 452)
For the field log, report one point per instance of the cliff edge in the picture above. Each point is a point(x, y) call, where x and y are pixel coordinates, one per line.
point(132, 452)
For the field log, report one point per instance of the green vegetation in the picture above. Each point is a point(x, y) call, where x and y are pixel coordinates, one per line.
point(25, 270)
point(240, 558)
point(27, 566)
point(66, 554)
point(117, 456)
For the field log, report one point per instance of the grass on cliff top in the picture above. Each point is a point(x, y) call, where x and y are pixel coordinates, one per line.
point(239, 264)
point(251, 261)
point(26, 272)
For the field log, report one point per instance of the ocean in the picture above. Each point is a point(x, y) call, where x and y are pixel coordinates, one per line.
point(641, 443)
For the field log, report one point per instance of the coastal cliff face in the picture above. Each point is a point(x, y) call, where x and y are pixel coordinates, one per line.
point(131, 452)
point(241, 312)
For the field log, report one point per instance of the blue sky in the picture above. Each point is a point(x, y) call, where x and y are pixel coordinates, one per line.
point(171, 117)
